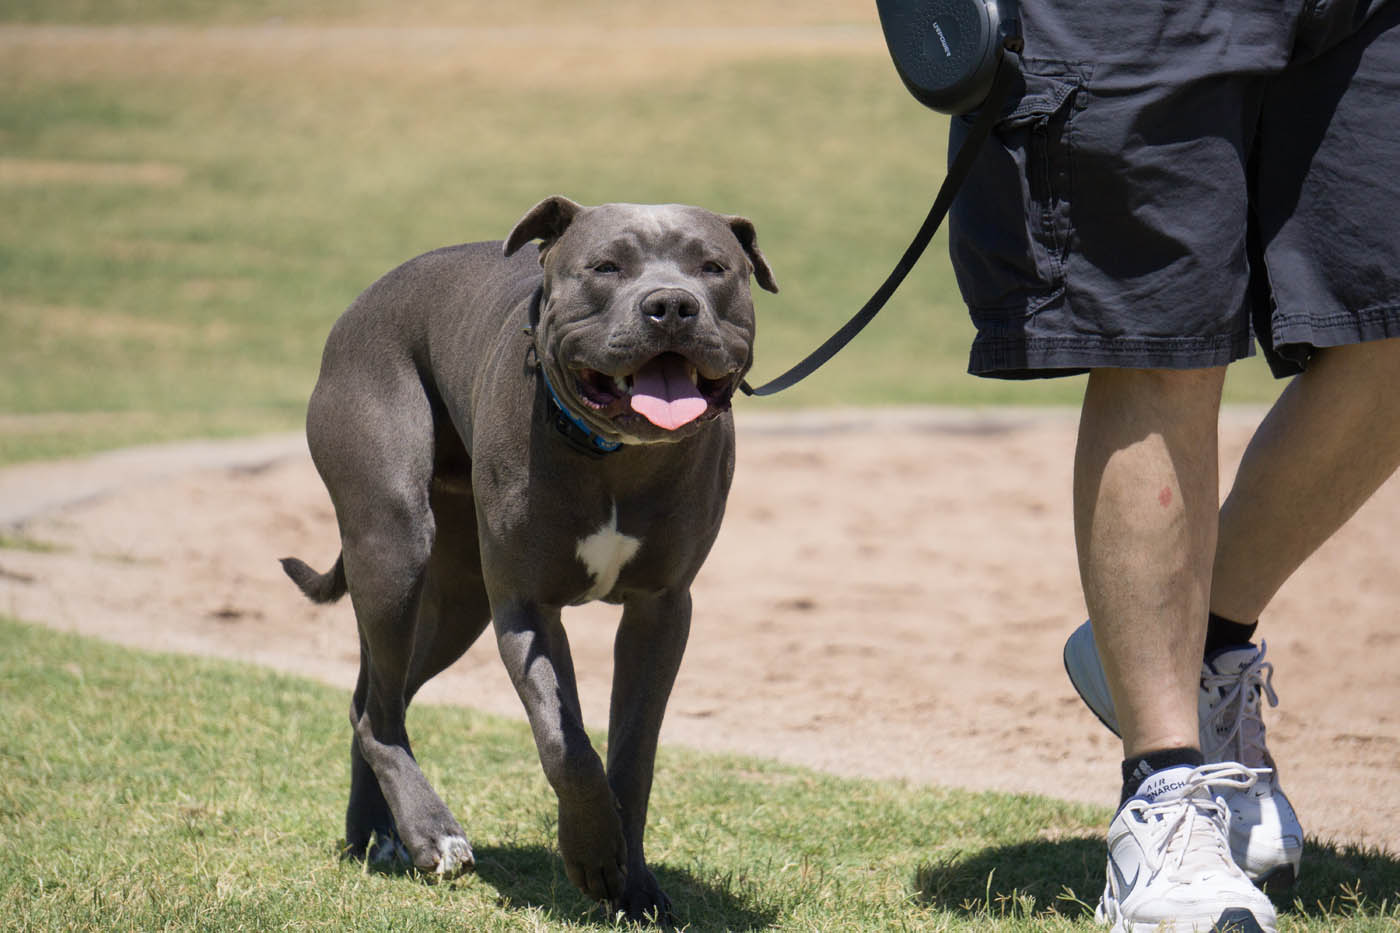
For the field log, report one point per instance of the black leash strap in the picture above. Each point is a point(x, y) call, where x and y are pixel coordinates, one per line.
point(957, 174)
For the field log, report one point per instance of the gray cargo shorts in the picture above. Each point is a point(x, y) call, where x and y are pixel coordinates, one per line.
point(1174, 181)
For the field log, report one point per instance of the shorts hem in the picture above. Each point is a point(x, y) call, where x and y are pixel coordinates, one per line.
point(1336, 330)
point(1049, 357)
point(1297, 337)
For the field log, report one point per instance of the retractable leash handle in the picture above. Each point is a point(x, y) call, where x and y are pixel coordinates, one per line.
point(953, 55)
point(948, 52)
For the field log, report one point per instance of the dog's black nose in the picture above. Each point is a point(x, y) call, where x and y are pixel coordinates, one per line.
point(670, 306)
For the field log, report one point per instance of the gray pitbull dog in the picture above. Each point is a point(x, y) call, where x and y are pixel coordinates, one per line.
point(506, 431)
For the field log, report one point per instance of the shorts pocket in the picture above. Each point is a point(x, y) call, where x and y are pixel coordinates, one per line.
point(1009, 230)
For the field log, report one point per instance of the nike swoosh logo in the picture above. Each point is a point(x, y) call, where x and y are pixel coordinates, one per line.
point(1125, 887)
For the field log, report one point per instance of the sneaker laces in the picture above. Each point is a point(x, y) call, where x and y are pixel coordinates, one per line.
point(1235, 729)
point(1190, 833)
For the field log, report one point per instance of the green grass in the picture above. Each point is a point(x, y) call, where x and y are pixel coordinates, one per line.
point(186, 211)
point(152, 792)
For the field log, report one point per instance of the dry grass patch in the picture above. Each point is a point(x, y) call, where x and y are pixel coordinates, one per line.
point(516, 56)
point(26, 172)
point(477, 13)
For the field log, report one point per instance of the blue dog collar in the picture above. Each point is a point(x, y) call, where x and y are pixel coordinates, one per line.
point(573, 428)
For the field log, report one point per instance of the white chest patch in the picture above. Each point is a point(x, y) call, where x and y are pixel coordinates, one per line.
point(604, 553)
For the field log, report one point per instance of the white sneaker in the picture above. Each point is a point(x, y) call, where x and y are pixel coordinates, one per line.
point(1169, 864)
point(1265, 836)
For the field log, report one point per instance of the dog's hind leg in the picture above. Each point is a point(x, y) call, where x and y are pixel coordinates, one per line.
point(452, 615)
point(453, 611)
point(371, 435)
point(388, 612)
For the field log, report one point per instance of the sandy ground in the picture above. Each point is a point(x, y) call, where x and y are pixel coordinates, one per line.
point(888, 598)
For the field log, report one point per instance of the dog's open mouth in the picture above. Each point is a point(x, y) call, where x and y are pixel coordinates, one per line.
point(668, 391)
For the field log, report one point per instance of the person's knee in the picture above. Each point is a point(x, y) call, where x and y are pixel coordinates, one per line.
point(1160, 395)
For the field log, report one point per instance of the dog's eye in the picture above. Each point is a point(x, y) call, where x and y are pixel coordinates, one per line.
point(606, 267)
point(713, 268)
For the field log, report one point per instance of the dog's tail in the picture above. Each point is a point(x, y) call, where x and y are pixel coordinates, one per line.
point(319, 587)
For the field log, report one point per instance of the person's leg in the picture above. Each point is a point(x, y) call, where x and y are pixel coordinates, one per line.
point(1146, 505)
point(1145, 508)
point(1325, 447)
point(1328, 443)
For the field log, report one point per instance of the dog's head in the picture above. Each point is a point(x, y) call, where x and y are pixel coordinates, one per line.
point(646, 321)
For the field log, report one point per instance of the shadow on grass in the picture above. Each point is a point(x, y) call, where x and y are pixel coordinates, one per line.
point(1026, 879)
point(1341, 880)
point(533, 876)
point(1030, 878)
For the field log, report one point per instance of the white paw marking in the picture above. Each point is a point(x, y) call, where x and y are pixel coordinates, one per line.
point(454, 857)
point(604, 553)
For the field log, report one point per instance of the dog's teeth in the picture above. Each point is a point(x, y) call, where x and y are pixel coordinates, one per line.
point(621, 386)
point(694, 375)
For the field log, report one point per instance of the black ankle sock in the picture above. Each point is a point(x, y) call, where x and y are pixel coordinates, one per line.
point(1140, 767)
point(1224, 633)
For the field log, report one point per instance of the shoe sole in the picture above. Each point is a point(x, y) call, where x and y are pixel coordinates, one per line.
point(1081, 660)
point(1231, 920)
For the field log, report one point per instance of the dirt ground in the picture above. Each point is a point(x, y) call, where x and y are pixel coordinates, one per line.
point(888, 598)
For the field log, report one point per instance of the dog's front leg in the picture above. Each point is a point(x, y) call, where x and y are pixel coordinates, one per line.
point(646, 656)
point(536, 653)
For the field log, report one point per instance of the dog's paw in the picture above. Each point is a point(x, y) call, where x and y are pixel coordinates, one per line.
point(594, 852)
point(454, 858)
point(642, 900)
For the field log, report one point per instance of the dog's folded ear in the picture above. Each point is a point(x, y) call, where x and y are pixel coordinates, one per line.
point(546, 221)
point(748, 239)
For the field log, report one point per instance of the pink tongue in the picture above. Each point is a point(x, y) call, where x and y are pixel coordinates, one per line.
point(663, 393)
